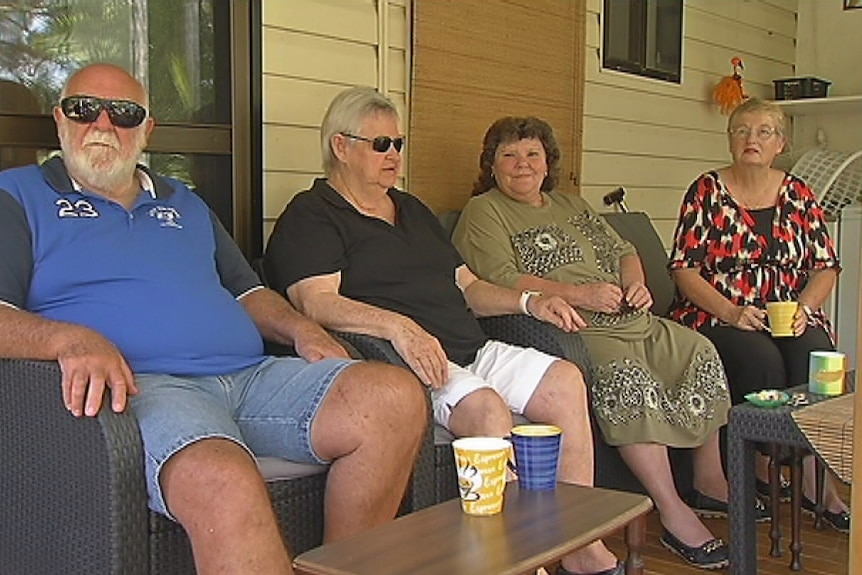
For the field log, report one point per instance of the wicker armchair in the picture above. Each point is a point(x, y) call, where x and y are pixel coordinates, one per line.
point(73, 495)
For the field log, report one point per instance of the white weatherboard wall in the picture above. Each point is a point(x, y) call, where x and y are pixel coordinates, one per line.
point(654, 138)
point(312, 50)
point(829, 47)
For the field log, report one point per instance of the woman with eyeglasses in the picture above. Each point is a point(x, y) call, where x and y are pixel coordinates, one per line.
point(749, 234)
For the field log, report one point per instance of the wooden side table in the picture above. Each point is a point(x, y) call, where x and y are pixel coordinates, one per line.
point(534, 529)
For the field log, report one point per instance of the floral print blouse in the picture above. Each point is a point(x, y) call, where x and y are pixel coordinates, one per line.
point(717, 235)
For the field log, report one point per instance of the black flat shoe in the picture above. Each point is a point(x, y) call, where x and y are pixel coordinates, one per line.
point(762, 488)
point(714, 554)
point(840, 520)
point(618, 570)
point(709, 508)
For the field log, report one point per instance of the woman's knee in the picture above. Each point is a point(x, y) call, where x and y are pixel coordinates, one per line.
point(751, 360)
point(563, 384)
point(482, 412)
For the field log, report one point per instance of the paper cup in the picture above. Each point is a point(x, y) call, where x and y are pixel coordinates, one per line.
point(826, 372)
point(481, 465)
point(537, 455)
point(780, 314)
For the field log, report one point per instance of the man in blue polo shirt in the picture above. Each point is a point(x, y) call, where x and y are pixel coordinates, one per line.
point(130, 282)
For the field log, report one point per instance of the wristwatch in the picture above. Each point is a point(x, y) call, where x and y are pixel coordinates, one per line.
point(525, 297)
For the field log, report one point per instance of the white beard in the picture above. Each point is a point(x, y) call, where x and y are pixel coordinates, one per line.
point(100, 163)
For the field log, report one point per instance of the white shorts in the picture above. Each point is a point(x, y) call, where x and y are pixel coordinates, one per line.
point(514, 372)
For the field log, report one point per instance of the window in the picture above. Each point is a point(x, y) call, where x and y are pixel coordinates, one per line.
point(643, 37)
point(188, 53)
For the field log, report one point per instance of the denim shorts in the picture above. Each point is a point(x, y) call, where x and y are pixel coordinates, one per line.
point(267, 408)
point(513, 372)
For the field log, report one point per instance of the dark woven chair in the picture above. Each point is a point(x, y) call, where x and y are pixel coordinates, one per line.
point(73, 496)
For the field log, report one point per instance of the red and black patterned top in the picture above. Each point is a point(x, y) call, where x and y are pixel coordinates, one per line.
point(718, 236)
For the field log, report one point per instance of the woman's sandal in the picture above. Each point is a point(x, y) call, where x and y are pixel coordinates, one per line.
point(714, 554)
point(839, 520)
point(762, 488)
point(618, 570)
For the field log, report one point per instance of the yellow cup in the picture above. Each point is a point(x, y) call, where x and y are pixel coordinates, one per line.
point(780, 314)
point(826, 371)
point(481, 464)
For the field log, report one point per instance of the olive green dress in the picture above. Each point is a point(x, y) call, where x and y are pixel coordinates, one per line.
point(653, 380)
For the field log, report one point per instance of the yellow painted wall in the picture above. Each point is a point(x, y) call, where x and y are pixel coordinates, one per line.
point(654, 138)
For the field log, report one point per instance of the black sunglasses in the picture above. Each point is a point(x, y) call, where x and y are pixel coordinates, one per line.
point(380, 144)
point(86, 110)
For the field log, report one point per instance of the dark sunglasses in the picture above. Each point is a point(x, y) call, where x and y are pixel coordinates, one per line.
point(380, 144)
point(86, 110)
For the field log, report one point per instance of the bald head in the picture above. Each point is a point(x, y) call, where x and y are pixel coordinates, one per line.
point(106, 81)
point(99, 154)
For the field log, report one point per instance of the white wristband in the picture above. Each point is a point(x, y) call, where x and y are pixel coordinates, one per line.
point(525, 297)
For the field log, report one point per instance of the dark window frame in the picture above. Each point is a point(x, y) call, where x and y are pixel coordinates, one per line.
point(240, 142)
point(641, 31)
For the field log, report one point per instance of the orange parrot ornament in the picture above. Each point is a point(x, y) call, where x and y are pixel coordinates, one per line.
point(728, 93)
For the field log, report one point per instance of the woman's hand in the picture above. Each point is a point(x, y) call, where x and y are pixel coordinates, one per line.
point(749, 318)
point(423, 353)
point(800, 321)
point(599, 296)
point(638, 296)
point(555, 310)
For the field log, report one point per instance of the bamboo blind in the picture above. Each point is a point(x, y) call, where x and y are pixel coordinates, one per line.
point(475, 61)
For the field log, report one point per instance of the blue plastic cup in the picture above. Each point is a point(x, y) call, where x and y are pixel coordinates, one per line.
point(537, 455)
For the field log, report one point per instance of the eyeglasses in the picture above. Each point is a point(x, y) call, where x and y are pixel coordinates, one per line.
point(86, 110)
point(744, 132)
point(380, 144)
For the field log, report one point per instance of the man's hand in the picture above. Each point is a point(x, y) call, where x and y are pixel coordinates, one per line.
point(423, 353)
point(637, 296)
point(556, 311)
point(90, 363)
point(314, 343)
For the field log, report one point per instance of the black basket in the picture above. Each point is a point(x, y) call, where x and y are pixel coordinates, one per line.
point(796, 88)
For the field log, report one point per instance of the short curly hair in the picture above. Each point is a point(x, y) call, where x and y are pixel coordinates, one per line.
point(512, 129)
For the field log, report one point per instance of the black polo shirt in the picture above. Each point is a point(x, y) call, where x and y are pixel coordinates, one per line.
point(407, 268)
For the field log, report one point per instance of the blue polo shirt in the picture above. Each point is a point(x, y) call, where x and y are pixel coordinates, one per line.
point(160, 281)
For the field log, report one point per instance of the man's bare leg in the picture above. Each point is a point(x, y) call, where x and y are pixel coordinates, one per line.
point(370, 426)
point(561, 400)
point(215, 491)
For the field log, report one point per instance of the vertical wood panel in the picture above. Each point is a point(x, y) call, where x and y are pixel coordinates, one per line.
point(475, 61)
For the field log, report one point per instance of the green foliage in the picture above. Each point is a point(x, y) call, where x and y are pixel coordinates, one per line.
point(43, 41)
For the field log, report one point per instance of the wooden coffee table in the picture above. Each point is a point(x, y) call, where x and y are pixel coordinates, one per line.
point(535, 528)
